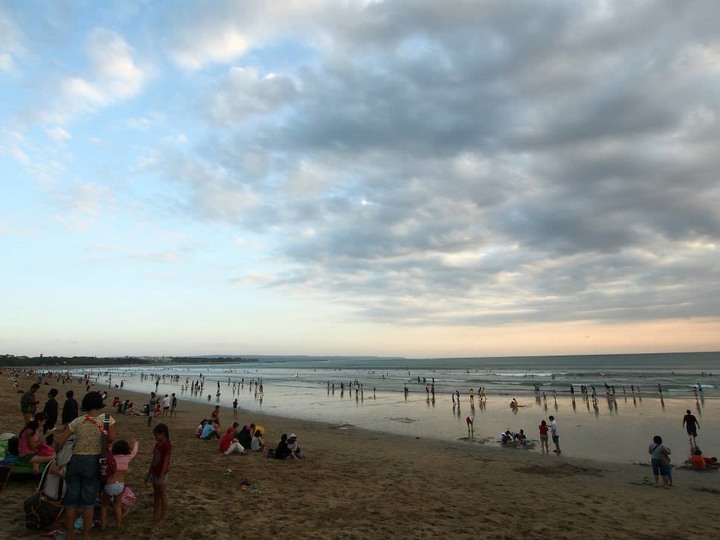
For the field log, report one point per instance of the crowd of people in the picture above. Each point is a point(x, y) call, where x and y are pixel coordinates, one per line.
point(76, 450)
point(86, 436)
point(245, 439)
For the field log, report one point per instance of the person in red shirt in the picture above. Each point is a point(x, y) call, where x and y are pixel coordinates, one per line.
point(158, 473)
point(543, 428)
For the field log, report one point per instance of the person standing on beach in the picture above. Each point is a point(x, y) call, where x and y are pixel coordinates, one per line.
point(151, 407)
point(158, 473)
point(691, 425)
point(543, 429)
point(660, 461)
point(70, 408)
point(51, 411)
point(29, 403)
point(555, 434)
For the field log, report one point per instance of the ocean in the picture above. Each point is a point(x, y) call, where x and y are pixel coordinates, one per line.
point(638, 396)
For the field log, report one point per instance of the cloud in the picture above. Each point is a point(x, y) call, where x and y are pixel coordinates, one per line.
point(423, 162)
point(58, 135)
point(80, 203)
point(205, 33)
point(245, 92)
point(11, 41)
point(113, 75)
point(458, 164)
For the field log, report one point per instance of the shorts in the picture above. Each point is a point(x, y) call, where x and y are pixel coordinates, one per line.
point(114, 489)
point(556, 438)
point(692, 432)
point(544, 438)
point(82, 481)
point(26, 458)
point(158, 480)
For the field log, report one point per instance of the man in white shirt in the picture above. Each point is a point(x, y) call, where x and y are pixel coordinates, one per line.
point(166, 405)
point(555, 434)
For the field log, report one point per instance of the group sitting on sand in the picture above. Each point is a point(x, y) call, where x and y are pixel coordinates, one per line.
point(513, 439)
point(287, 448)
point(248, 438)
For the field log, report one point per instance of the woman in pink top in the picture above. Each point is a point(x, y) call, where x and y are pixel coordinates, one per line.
point(123, 451)
point(30, 449)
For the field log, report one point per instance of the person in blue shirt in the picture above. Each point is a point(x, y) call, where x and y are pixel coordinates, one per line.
point(209, 432)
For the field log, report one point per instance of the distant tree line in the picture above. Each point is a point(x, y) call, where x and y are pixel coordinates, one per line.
point(10, 360)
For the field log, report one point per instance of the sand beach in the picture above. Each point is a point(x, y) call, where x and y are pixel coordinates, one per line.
point(358, 483)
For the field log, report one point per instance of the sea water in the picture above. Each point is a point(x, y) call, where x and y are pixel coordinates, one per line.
point(638, 396)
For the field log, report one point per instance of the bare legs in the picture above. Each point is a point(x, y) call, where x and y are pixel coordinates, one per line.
point(160, 503)
point(70, 514)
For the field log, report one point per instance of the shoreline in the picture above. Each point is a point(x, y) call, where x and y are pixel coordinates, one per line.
point(615, 432)
point(363, 484)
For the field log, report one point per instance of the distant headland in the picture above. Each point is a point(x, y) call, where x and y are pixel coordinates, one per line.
point(10, 360)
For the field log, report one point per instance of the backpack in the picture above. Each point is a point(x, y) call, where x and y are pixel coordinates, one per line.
point(42, 510)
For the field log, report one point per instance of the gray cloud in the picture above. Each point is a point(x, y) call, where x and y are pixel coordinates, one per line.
point(480, 163)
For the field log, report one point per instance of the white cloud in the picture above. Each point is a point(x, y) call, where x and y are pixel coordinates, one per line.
point(6, 62)
point(113, 75)
point(58, 134)
point(222, 31)
point(11, 41)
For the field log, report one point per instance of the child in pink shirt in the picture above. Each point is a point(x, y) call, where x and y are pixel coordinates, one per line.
point(124, 452)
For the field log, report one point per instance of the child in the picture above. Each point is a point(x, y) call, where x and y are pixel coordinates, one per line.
point(543, 428)
point(124, 452)
point(158, 473)
point(257, 444)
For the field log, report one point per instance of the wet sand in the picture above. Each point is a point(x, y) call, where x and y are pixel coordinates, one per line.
point(363, 484)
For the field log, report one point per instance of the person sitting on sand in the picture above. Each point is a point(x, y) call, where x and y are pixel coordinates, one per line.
point(245, 437)
point(257, 444)
point(229, 444)
point(700, 463)
point(282, 451)
point(292, 443)
point(208, 432)
point(520, 437)
point(200, 428)
point(507, 436)
point(30, 449)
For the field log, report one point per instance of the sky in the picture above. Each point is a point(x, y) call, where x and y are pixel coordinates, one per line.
point(351, 177)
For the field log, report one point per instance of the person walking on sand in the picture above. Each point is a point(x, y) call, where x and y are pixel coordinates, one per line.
point(691, 425)
point(555, 434)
